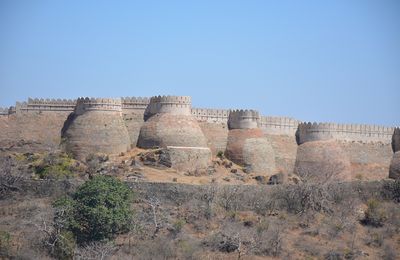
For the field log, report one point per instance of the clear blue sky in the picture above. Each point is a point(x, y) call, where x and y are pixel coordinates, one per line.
point(335, 61)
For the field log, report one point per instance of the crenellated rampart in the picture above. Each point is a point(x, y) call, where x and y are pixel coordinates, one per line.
point(344, 132)
point(211, 115)
point(36, 104)
point(243, 119)
point(134, 104)
point(97, 104)
point(178, 105)
point(4, 111)
point(279, 125)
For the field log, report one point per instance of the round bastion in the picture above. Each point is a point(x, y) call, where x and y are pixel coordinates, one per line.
point(247, 145)
point(95, 126)
point(394, 171)
point(319, 157)
point(169, 123)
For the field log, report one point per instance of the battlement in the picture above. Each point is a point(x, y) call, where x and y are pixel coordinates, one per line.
point(279, 125)
point(98, 104)
point(4, 111)
point(134, 104)
point(178, 105)
point(211, 115)
point(396, 140)
point(344, 132)
point(36, 104)
point(243, 119)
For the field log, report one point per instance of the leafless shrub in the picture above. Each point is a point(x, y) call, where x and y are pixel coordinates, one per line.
point(321, 173)
point(261, 240)
point(228, 197)
point(8, 179)
point(95, 251)
point(389, 253)
point(160, 248)
point(154, 203)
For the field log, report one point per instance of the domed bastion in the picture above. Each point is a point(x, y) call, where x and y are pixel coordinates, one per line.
point(169, 125)
point(352, 151)
point(95, 126)
point(246, 143)
point(394, 171)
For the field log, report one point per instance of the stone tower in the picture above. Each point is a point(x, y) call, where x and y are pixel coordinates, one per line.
point(169, 122)
point(169, 125)
point(95, 126)
point(319, 155)
point(247, 145)
point(394, 171)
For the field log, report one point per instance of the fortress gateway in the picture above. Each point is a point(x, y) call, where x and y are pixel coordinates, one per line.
point(261, 144)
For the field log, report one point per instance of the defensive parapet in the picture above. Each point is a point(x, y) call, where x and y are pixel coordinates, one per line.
point(279, 125)
point(243, 119)
point(177, 105)
point(41, 104)
point(4, 111)
point(134, 104)
point(211, 115)
point(97, 104)
point(396, 140)
point(343, 132)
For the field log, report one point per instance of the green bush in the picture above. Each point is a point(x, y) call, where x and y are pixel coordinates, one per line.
point(5, 243)
point(98, 210)
point(54, 166)
point(374, 215)
point(65, 246)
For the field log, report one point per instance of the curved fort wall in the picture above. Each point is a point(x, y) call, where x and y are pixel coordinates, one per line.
point(168, 122)
point(344, 132)
point(95, 126)
point(247, 145)
point(174, 105)
point(367, 147)
point(243, 119)
point(170, 126)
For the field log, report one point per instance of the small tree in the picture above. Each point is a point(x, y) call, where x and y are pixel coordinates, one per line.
point(98, 210)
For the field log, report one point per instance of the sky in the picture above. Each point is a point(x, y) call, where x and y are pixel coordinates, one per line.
point(324, 61)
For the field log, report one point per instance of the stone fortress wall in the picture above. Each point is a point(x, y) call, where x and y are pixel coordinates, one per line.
point(176, 105)
point(243, 119)
point(366, 147)
point(344, 132)
point(41, 120)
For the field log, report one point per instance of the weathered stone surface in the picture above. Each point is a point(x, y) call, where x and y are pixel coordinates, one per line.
point(164, 129)
point(39, 131)
point(369, 161)
point(133, 122)
point(319, 161)
point(394, 171)
point(194, 159)
point(285, 149)
point(95, 132)
point(216, 135)
point(249, 148)
point(396, 140)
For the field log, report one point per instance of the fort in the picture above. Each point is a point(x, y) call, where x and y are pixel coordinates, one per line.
point(280, 144)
